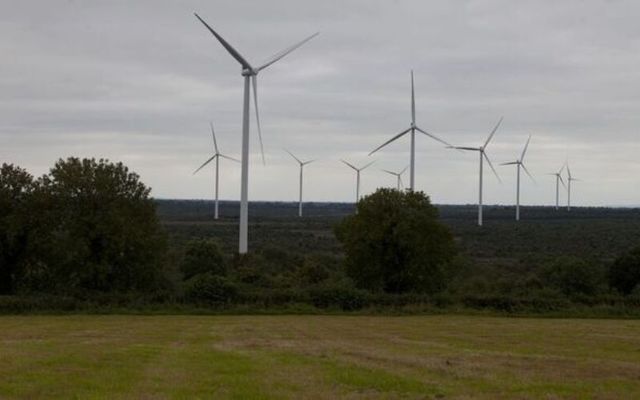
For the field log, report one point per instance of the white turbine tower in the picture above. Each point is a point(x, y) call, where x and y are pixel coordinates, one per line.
point(216, 156)
point(398, 176)
point(520, 163)
point(559, 180)
point(250, 79)
point(483, 155)
point(569, 180)
point(358, 170)
point(412, 128)
point(302, 164)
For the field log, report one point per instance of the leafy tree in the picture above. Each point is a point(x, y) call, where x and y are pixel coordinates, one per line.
point(99, 231)
point(209, 288)
point(395, 243)
point(624, 274)
point(574, 276)
point(203, 256)
point(16, 186)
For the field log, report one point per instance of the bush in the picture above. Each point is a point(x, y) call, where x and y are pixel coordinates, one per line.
point(211, 289)
point(340, 296)
point(624, 274)
point(395, 243)
point(203, 256)
point(574, 276)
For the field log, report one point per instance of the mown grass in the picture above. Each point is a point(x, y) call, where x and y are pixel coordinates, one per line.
point(325, 357)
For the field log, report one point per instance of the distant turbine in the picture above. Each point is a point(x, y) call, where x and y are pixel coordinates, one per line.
point(216, 156)
point(358, 176)
point(559, 180)
point(412, 128)
point(250, 79)
point(398, 175)
point(302, 164)
point(483, 155)
point(519, 162)
point(569, 180)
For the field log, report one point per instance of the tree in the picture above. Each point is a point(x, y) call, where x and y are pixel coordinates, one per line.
point(98, 230)
point(203, 256)
point(16, 186)
point(624, 274)
point(395, 243)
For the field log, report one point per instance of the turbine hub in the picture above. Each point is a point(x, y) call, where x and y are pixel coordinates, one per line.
point(248, 72)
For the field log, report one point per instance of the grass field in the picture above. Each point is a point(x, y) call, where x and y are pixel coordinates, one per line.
point(326, 357)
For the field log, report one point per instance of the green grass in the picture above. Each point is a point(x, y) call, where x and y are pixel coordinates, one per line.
point(325, 357)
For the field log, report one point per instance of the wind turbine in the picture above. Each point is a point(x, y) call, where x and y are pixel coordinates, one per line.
point(398, 175)
point(302, 164)
point(216, 156)
point(569, 179)
point(559, 180)
point(358, 170)
point(412, 128)
point(250, 79)
point(483, 155)
point(520, 163)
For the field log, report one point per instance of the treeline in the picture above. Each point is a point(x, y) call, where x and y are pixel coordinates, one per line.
point(87, 236)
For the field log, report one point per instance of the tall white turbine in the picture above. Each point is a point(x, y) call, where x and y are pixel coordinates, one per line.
point(559, 180)
point(250, 79)
point(483, 155)
point(398, 176)
point(412, 128)
point(216, 156)
point(570, 178)
point(358, 170)
point(302, 164)
point(520, 163)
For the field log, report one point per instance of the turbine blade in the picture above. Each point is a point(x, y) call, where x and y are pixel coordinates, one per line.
point(368, 165)
point(291, 154)
point(464, 148)
point(205, 163)
point(562, 169)
point(286, 51)
point(491, 165)
point(215, 143)
point(234, 53)
point(413, 101)
point(229, 158)
point(493, 132)
point(510, 163)
point(390, 140)
point(404, 170)
point(527, 172)
point(389, 172)
point(562, 181)
point(434, 137)
point(254, 82)
point(309, 162)
point(525, 148)
point(350, 165)
point(568, 171)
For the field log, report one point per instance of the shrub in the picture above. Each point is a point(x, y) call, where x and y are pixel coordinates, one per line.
point(209, 289)
point(202, 256)
point(574, 276)
point(395, 243)
point(624, 274)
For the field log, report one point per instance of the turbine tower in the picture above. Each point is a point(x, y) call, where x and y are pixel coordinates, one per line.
point(302, 164)
point(398, 175)
point(483, 155)
point(250, 75)
point(569, 179)
point(559, 180)
point(520, 163)
point(358, 170)
point(216, 156)
point(412, 128)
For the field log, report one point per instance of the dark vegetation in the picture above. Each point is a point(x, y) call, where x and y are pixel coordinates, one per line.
point(87, 236)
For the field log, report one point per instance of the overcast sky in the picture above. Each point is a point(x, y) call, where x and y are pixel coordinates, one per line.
point(139, 81)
